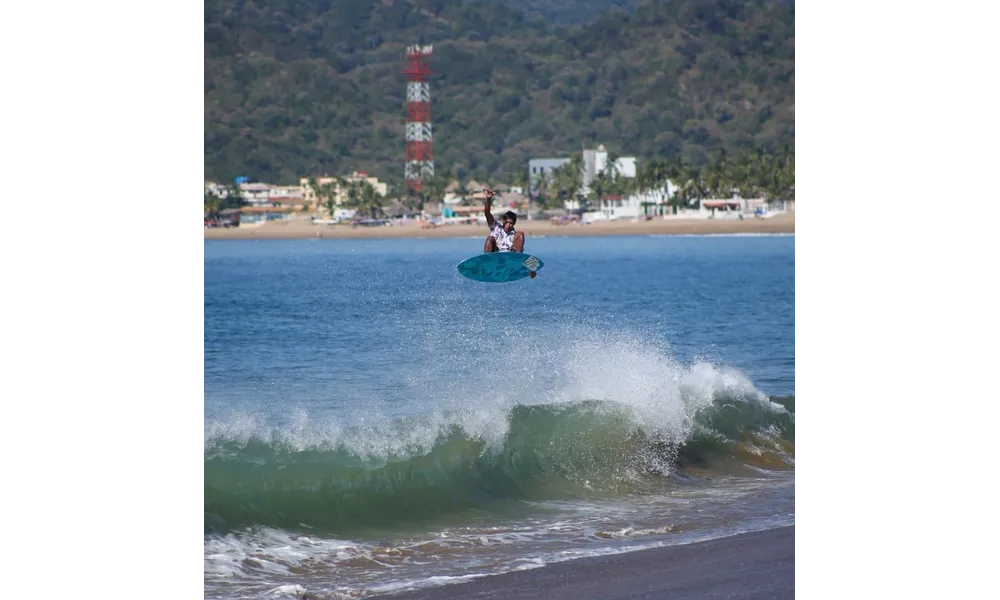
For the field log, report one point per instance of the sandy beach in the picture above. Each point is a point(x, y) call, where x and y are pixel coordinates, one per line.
point(781, 223)
point(748, 566)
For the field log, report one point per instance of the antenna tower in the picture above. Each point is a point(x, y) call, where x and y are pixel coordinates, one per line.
point(419, 140)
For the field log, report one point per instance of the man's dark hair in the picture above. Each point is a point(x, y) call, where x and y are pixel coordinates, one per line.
point(510, 215)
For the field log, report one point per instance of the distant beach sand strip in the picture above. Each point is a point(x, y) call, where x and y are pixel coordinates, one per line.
point(781, 223)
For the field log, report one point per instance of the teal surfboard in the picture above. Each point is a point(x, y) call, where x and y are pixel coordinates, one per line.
point(498, 267)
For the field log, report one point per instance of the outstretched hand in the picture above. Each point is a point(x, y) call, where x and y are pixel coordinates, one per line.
point(489, 194)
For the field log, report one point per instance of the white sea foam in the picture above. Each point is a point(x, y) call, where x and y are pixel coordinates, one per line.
point(476, 394)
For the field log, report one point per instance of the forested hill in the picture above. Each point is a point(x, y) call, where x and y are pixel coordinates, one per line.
point(295, 88)
point(569, 12)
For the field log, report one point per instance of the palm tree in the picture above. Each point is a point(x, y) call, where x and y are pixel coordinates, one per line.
point(741, 173)
point(644, 180)
point(567, 179)
point(520, 179)
point(432, 189)
point(314, 186)
point(326, 194)
point(716, 176)
point(690, 186)
point(777, 174)
point(542, 191)
point(212, 205)
point(575, 176)
point(623, 186)
point(611, 167)
point(364, 198)
point(695, 186)
point(233, 198)
point(571, 176)
point(599, 187)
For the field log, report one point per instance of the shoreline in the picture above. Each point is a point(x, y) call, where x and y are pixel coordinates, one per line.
point(292, 230)
point(759, 564)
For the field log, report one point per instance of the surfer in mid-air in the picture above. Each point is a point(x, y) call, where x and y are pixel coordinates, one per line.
point(502, 238)
point(503, 257)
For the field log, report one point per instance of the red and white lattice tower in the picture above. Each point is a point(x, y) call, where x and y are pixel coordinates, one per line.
point(419, 140)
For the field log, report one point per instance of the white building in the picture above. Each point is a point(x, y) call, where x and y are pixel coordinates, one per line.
point(596, 161)
point(541, 168)
point(219, 191)
point(649, 203)
point(256, 194)
point(286, 194)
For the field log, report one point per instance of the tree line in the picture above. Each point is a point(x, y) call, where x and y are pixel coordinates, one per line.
point(756, 173)
point(753, 174)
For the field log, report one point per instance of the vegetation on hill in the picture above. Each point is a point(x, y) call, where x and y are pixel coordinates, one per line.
point(298, 89)
point(570, 12)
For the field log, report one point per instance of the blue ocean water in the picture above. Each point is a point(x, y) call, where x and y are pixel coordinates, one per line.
point(333, 361)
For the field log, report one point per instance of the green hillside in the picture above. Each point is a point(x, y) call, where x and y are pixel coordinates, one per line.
point(295, 88)
point(569, 12)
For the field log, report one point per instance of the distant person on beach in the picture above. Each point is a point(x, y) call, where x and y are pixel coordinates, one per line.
point(502, 238)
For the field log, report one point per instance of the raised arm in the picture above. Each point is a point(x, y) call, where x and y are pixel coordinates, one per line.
point(486, 209)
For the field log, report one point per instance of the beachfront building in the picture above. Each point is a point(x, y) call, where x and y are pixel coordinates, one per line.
point(656, 203)
point(641, 205)
point(217, 190)
point(739, 207)
point(594, 161)
point(287, 196)
point(256, 193)
point(309, 195)
point(539, 168)
point(311, 198)
point(359, 177)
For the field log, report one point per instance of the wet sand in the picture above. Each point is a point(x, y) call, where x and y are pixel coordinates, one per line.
point(748, 566)
point(781, 223)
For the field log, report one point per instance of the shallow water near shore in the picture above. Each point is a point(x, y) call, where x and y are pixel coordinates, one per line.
point(374, 422)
